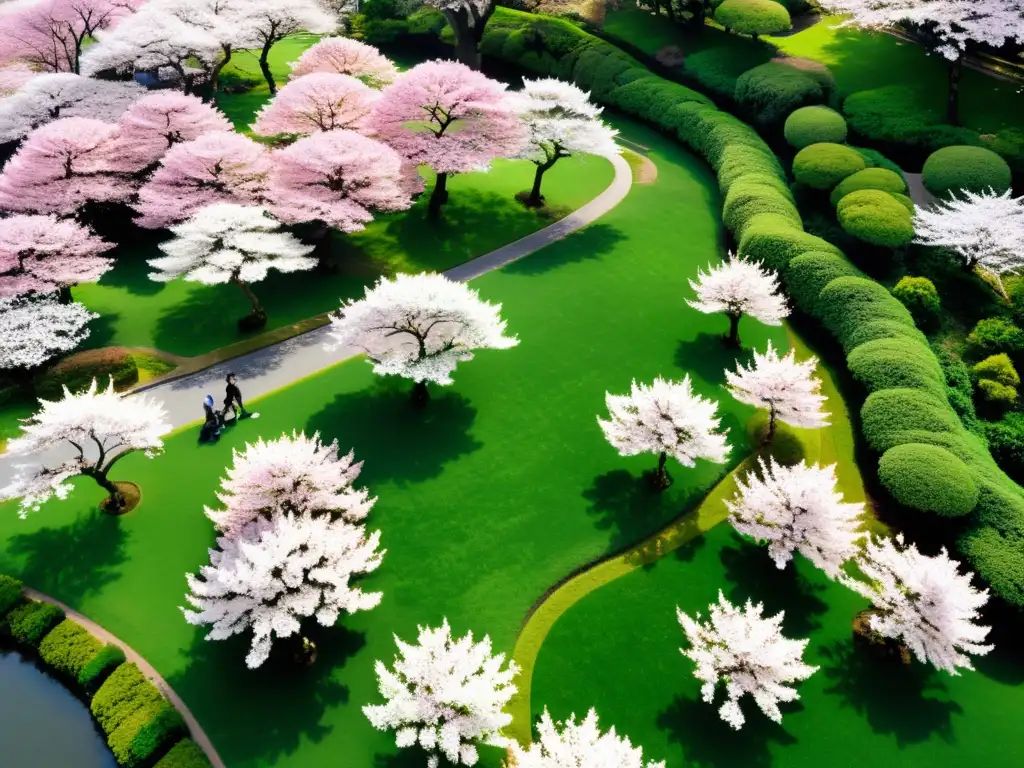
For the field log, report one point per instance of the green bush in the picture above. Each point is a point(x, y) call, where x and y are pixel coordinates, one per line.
point(77, 371)
point(893, 417)
point(876, 159)
point(875, 217)
point(869, 178)
point(822, 166)
point(929, 479)
point(739, 161)
point(872, 330)
point(753, 17)
point(809, 272)
point(918, 294)
point(1006, 441)
point(997, 394)
point(651, 98)
point(717, 69)
point(746, 200)
point(994, 335)
point(814, 125)
point(847, 302)
point(29, 623)
point(771, 91)
point(68, 648)
point(148, 729)
point(959, 387)
point(997, 368)
point(975, 169)
point(896, 364)
point(185, 754)
point(124, 693)
point(95, 672)
point(10, 593)
point(774, 241)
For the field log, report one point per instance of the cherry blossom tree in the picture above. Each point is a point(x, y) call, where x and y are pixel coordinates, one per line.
point(321, 101)
point(15, 75)
point(35, 329)
point(62, 166)
point(467, 19)
point(786, 388)
point(101, 425)
point(447, 116)
point(229, 243)
point(923, 602)
point(51, 96)
point(345, 56)
point(739, 287)
point(270, 21)
point(339, 178)
point(571, 745)
point(748, 653)
point(43, 254)
point(218, 167)
point(560, 122)
point(667, 418)
point(949, 27)
point(419, 327)
point(797, 509)
point(447, 694)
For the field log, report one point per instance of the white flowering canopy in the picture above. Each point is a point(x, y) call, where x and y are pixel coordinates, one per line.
point(278, 571)
point(561, 121)
point(923, 602)
point(748, 653)
point(101, 424)
point(578, 745)
point(797, 509)
point(34, 329)
point(985, 229)
point(740, 287)
point(446, 694)
point(291, 474)
point(227, 242)
point(419, 327)
point(787, 388)
point(665, 417)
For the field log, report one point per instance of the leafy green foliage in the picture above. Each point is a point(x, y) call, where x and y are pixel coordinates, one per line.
point(897, 363)
point(823, 166)
point(68, 648)
point(997, 394)
point(975, 169)
point(28, 623)
point(847, 302)
point(1006, 441)
point(876, 159)
point(869, 178)
point(753, 17)
point(77, 371)
point(106, 660)
point(928, 478)
point(814, 125)
point(124, 693)
point(747, 199)
point(138, 737)
point(873, 330)
point(993, 335)
point(185, 754)
point(774, 240)
point(892, 417)
point(959, 387)
point(808, 273)
point(10, 593)
point(771, 91)
point(717, 69)
point(997, 368)
point(918, 294)
point(875, 217)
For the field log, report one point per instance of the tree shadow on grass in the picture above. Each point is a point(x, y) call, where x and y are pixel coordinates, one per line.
point(710, 742)
point(899, 700)
point(101, 331)
point(265, 713)
point(131, 270)
point(591, 243)
point(416, 757)
point(72, 562)
point(204, 321)
point(398, 441)
point(707, 358)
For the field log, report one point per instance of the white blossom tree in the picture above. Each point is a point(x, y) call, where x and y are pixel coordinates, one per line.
point(739, 287)
point(578, 745)
point(230, 243)
point(786, 388)
point(101, 425)
point(666, 418)
point(271, 21)
point(748, 653)
point(446, 694)
point(35, 329)
point(560, 121)
point(923, 602)
point(797, 509)
point(419, 327)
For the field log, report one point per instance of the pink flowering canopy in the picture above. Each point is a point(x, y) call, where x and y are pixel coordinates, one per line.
point(447, 116)
point(219, 167)
point(339, 178)
point(322, 101)
point(44, 253)
point(62, 166)
point(345, 56)
point(14, 75)
point(164, 118)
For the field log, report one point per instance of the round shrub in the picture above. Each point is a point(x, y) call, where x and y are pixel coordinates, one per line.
point(918, 294)
point(997, 394)
point(753, 17)
point(1006, 441)
point(77, 371)
point(876, 159)
point(997, 368)
point(905, 201)
point(993, 335)
point(976, 169)
point(770, 92)
point(809, 272)
point(895, 416)
point(869, 178)
point(185, 754)
point(109, 658)
point(68, 648)
point(143, 733)
point(928, 478)
point(822, 166)
point(29, 623)
point(847, 302)
point(749, 199)
point(875, 217)
point(814, 125)
point(773, 240)
point(895, 364)
point(738, 161)
point(882, 329)
point(10, 593)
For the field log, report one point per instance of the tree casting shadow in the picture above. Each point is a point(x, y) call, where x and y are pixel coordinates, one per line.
point(706, 357)
point(591, 243)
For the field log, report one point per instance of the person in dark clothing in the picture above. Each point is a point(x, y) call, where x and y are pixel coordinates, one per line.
point(211, 427)
point(233, 401)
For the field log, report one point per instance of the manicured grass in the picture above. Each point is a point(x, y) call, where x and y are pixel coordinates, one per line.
point(499, 489)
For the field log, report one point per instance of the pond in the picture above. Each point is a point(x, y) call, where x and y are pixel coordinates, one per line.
point(42, 724)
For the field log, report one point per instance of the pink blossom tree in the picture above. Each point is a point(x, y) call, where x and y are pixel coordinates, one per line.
point(46, 254)
point(338, 178)
point(62, 166)
point(446, 115)
point(345, 56)
point(271, 21)
point(15, 75)
point(219, 167)
point(321, 101)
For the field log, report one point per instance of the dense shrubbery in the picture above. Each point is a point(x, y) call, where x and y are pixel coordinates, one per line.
point(976, 169)
point(928, 478)
point(68, 648)
point(891, 417)
point(918, 295)
point(897, 364)
point(753, 17)
point(997, 381)
point(814, 125)
point(10, 593)
point(775, 241)
point(185, 754)
point(748, 199)
point(125, 692)
point(717, 69)
point(870, 178)
point(959, 387)
point(809, 272)
point(823, 166)
point(770, 92)
point(1006, 440)
point(77, 371)
point(95, 672)
point(875, 217)
point(29, 623)
point(848, 302)
point(993, 335)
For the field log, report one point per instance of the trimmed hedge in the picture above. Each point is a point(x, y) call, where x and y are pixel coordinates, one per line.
point(891, 417)
point(869, 178)
point(872, 330)
point(753, 17)
point(185, 754)
point(77, 371)
point(68, 648)
point(814, 125)
point(847, 302)
point(10, 593)
point(950, 170)
point(747, 199)
point(717, 69)
point(144, 732)
point(771, 91)
point(30, 622)
point(875, 217)
point(774, 241)
point(1006, 440)
point(96, 671)
point(124, 693)
point(929, 479)
point(823, 166)
point(808, 273)
point(897, 364)
point(918, 295)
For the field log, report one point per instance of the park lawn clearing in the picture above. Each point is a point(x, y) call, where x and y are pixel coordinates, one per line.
point(500, 488)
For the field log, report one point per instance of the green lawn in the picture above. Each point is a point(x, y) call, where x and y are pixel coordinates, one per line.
point(501, 488)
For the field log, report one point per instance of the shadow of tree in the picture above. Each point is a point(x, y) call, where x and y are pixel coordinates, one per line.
point(907, 706)
point(206, 319)
point(591, 243)
point(101, 331)
point(284, 702)
point(706, 357)
point(131, 270)
point(398, 441)
point(416, 757)
point(72, 562)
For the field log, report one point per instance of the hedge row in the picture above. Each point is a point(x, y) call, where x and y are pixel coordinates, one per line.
point(29, 622)
point(68, 648)
point(10, 593)
point(185, 754)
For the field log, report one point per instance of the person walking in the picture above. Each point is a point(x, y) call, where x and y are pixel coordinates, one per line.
point(233, 401)
point(211, 427)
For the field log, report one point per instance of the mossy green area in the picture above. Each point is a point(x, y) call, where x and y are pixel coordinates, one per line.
point(500, 488)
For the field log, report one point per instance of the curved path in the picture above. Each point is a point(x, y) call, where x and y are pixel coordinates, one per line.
point(195, 730)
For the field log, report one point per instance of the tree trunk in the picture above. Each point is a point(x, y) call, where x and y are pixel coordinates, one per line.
point(265, 67)
point(115, 500)
point(734, 331)
point(439, 196)
point(64, 294)
point(215, 72)
point(661, 479)
point(258, 317)
point(771, 426)
point(953, 102)
point(536, 199)
point(420, 394)
point(468, 30)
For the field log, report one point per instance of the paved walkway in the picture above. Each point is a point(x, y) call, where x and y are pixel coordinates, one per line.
point(918, 193)
point(195, 730)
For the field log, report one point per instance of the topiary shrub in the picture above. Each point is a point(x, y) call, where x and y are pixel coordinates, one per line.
point(774, 241)
point(77, 371)
point(29, 623)
point(875, 217)
point(185, 754)
point(929, 479)
point(814, 125)
point(895, 364)
point(823, 166)
point(918, 294)
point(869, 178)
point(892, 417)
point(809, 272)
point(99, 667)
point(772, 91)
point(10, 593)
point(145, 731)
point(997, 368)
point(124, 693)
point(876, 159)
point(68, 648)
point(994, 335)
point(753, 17)
point(847, 302)
point(881, 329)
point(746, 200)
point(997, 395)
point(717, 69)
point(1006, 441)
point(976, 169)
